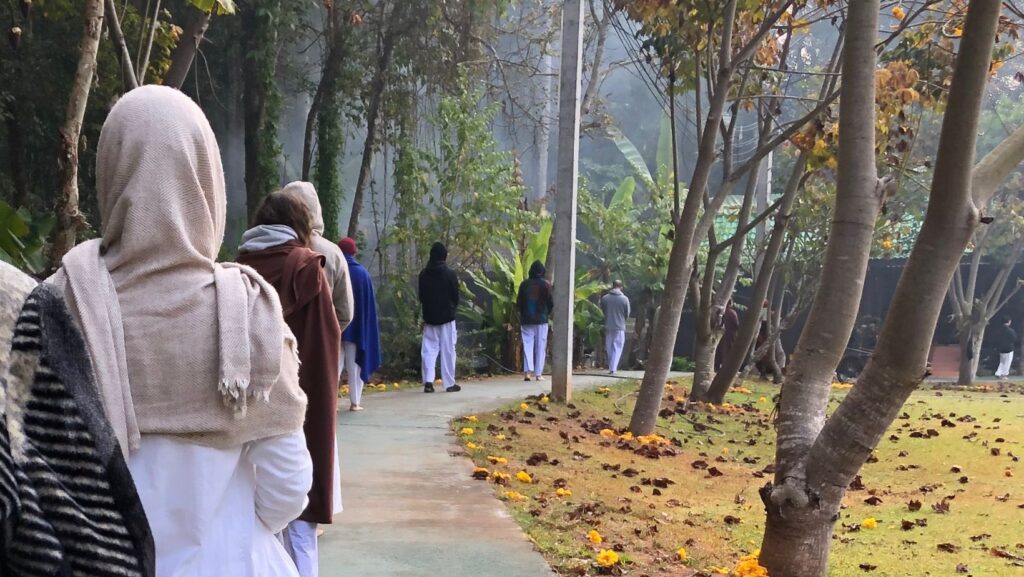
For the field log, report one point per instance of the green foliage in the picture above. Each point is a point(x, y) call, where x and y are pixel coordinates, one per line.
point(222, 6)
point(23, 238)
point(327, 170)
point(682, 365)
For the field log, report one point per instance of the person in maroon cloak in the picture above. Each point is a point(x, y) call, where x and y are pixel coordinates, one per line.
point(278, 248)
point(731, 327)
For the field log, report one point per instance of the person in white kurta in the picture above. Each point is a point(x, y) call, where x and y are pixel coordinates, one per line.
point(196, 369)
point(215, 512)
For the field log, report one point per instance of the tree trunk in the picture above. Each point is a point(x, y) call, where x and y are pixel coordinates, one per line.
point(188, 46)
point(260, 103)
point(123, 55)
point(704, 359)
point(333, 60)
point(970, 352)
point(69, 220)
point(680, 264)
point(811, 479)
point(372, 114)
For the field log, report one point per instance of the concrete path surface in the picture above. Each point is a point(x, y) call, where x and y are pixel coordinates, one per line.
point(411, 508)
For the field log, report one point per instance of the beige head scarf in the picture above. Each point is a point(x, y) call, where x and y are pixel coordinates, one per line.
point(179, 343)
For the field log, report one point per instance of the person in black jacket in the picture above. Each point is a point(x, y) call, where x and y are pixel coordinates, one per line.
point(1005, 340)
point(535, 304)
point(439, 298)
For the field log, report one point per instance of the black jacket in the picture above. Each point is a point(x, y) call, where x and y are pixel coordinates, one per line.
point(534, 298)
point(439, 288)
point(1005, 339)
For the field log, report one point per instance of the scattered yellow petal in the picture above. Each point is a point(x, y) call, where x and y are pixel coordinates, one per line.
point(471, 418)
point(725, 450)
point(763, 400)
point(500, 478)
point(545, 400)
point(524, 477)
point(562, 492)
point(682, 554)
point(515, 496)
point(627, 436)
point(497, 460)
point(608, 433)
point(898, 13)
point(869, 523)
point(467, 431)
point(720, 570)
point(472, 446)
point(524, 406)
point(607, 558)
point(397, 386)
point(500, 436)
point(594, 537)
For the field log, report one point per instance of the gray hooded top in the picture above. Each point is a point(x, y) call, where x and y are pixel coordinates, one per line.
point(336, 266)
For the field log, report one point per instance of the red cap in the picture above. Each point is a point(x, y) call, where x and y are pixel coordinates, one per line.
point(348, 246)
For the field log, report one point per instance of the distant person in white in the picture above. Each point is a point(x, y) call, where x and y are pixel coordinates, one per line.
point(1006, 340)
point(615, 307)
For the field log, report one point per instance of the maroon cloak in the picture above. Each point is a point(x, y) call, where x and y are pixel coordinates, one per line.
point(297, 273)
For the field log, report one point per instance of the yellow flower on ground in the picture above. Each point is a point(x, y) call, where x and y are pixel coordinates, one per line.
point(524, 477)
point(763, 400)
point(500, 436)
point(682, 554)
point(603, 391)
point(471, 418)
point(545, 400)
point(563, 492)
point(749, 566)
point(500, 478)
point(725, 450)
point(438, 382)
point(869, 523)
point(515, 496)
point(497, 460)
point(720, 570)
point(594, 537)
point(607, 558)
point(467, 431)
point(669, 387)
point(397, 385)
point(472, 446)
point(608, 433)
point(653, 439)
point(524, 406)
point(627, 436)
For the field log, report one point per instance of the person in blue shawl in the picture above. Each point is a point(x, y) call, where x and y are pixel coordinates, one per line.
point(360, 343)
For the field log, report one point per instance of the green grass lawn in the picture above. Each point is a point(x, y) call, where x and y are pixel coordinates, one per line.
point(951, 453)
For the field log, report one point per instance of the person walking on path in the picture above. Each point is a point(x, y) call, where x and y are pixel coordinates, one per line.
point(535, 305)
point(360, 342)
point(278, 248)
point(335, 265)
point(196, 370)
point(730, 328)
point(615, 307)
point(1006, 342)
point(439, 299)
point(65, 462)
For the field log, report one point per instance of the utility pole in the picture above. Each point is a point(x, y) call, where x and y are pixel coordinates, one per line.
point(565, 198)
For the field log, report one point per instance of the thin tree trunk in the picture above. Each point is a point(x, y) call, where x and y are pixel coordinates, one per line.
point(69, 220)
point(185, 52)
point(804, 502)
point(750, 321)
point(333, 60)
point(372, 114)
point(680, 263)
point(144, 63)
point(970, 351)
point(124, 56)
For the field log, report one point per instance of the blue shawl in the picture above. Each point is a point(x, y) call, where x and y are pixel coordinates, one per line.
point(363, 330)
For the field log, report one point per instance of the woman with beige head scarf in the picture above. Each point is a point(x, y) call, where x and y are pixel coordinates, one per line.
point(196, 369)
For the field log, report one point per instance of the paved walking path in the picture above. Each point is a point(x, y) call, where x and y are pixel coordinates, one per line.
point(411, 508)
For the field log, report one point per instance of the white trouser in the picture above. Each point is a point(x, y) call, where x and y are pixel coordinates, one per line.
point(300, 541)
point(1005, 361)
point(347, 362)
point(613, 343)
point(535, 347)
point(439, 339)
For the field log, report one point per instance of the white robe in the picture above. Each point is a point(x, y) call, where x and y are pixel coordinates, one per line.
point(215, 511)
